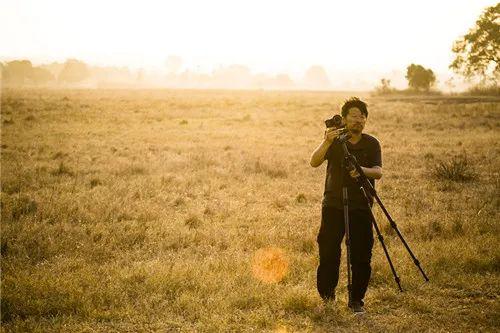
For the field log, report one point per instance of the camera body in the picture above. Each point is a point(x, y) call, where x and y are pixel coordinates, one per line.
point(335, 122)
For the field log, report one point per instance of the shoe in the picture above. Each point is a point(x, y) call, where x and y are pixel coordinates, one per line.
point(357, 307)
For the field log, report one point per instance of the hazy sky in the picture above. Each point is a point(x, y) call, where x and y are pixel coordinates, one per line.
point(265, 35)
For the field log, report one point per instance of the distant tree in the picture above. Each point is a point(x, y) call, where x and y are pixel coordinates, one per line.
point(477, 52)
point(17, 72)
point(316, 78)
point(284, 81)
point(41, 76)
point(73, 71)
point(384, 87)
point(420, 78)
point(281, 81)
point(54, 68)
point(232, 76)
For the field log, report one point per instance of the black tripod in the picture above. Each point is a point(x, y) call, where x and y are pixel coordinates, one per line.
point(349, 162)
point(345, 203)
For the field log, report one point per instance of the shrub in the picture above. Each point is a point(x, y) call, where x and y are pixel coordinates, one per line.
point(483, 90)
point(458, 168)
point(385, 87)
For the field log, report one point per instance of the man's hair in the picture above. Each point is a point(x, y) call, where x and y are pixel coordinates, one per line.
point(354, 102)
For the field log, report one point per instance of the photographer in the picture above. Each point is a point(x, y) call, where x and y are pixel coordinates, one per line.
point(366, 149)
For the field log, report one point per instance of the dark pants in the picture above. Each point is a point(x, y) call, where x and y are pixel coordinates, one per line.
point(329, 240)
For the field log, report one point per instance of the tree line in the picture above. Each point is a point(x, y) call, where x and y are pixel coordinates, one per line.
point(76, 72)
point(22, 72)
point(476, 58)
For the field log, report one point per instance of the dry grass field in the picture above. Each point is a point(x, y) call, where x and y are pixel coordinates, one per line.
point(197, 211)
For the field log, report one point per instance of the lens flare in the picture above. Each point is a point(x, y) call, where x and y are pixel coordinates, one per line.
point(280, 329)
point(269, 265)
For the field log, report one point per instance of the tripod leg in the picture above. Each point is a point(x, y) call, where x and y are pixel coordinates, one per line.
point(347, 243)
point(395, 227)
point(381, 239)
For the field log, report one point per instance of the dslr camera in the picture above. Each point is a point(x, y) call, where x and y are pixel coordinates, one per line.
point(336, 122)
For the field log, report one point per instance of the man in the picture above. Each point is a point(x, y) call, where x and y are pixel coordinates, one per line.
point(366, 149)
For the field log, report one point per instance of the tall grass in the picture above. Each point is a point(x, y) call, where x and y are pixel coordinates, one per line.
point(198, 211)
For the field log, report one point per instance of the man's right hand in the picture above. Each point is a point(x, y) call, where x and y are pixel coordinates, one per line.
point(332, 133)
point(318, 156)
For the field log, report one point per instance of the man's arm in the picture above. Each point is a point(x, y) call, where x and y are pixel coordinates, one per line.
point(318, 156)
point(373, 172)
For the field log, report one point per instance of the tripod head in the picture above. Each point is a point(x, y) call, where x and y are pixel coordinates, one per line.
point(343, 137)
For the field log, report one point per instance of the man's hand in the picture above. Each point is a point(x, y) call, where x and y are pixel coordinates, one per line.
point(332, 133)
point(354, 173)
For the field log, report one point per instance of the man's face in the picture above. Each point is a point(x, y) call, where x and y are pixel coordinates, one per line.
point(355, 121)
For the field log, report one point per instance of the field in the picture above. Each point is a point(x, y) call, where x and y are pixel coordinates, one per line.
point(157, 210)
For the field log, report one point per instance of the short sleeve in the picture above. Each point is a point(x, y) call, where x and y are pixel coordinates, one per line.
point(376, 154)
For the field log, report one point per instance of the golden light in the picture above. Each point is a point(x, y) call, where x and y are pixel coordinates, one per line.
point(269, 265)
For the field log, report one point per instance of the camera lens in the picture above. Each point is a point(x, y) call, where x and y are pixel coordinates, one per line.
point(337, 120)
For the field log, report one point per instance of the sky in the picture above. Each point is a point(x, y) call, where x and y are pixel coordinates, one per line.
point(267, 36)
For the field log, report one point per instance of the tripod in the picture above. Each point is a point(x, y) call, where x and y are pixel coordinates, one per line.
point(366, 187)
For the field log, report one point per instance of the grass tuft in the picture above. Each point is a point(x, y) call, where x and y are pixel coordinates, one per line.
point(95, 182)
point(301, 198)
point(23, 205)
point(457, 168)
point(62, 170)
point(193, 222)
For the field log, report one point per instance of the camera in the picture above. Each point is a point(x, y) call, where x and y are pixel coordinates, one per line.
point(335, 122)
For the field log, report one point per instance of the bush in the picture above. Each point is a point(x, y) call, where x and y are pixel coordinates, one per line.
point(458, 168)
point(483, 90)
point(385, 88)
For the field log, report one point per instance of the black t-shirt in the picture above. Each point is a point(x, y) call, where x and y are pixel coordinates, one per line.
point(368, 154)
